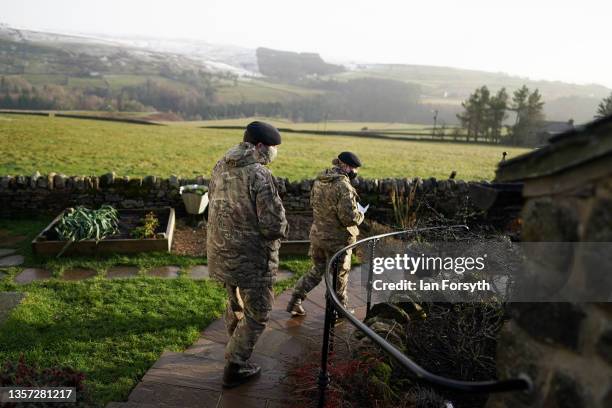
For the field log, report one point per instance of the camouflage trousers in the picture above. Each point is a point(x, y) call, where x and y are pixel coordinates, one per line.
point(248, 311)
point(320, 257)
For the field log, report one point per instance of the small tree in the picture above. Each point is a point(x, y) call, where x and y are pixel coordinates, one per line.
point(604, 108)
point(473, 118)
point(529, 114)
point(496, 114)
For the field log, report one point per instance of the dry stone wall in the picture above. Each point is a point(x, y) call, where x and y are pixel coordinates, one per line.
point(51, 193)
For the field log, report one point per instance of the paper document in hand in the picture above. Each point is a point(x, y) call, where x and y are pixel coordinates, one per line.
point(362, 209)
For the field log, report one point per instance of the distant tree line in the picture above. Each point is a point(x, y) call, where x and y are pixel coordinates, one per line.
point(361, 99)
point(195, 96)
point(17, 93)
point(484, 115)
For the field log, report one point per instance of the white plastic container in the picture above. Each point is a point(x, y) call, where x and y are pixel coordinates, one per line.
point(194, 203)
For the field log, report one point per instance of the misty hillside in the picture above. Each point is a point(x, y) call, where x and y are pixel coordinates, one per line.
point(197, 79)
point(290, 66)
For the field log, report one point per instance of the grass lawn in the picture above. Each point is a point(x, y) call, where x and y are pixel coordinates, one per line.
point(112, 330)
point(89, 147)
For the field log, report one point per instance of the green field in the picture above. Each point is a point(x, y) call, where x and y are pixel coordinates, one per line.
point(330, 125)
point(263, 91)
point(90, 147)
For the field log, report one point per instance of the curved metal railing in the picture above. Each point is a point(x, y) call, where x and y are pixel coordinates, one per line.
point(333, 304)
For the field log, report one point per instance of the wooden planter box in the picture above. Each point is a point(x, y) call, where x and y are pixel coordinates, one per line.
point(295, 247)
point(46, 242)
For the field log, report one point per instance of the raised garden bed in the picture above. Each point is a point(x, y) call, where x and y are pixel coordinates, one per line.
point(47, 242)
point(299, 228)
point(294, 247)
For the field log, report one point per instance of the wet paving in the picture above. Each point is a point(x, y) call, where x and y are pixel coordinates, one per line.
point(122, 272)
point(77, 274)
point(32, 274)
point(283, 274)
point(164, 272)
point(199, 272)
point(193, 378)
point(6, 251)
point(11, 260)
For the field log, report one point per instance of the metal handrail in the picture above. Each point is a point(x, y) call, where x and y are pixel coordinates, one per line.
point(333, 304)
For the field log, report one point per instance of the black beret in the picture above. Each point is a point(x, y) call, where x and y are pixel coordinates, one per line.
point(350, 158)
point(261, 132)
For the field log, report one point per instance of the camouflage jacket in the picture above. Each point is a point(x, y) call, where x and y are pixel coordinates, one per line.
point(246, 220)
point(334, 204)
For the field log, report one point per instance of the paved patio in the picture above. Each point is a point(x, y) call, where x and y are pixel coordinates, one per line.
point(193, 378)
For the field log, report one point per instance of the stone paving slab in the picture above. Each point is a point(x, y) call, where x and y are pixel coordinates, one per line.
point(165, 394)
point(283, 274)
point(6, 251)
point(216, 332)
point(235, 401)
point(188, 371)
point(131, 404)
point(205, 348)
point(32, 274)
point(280, 404)
point(199, 272)
point(12, 260)
point(122, 272)
point(281, 345)
point(167, 272)
point(78, 274)
point(9, 301)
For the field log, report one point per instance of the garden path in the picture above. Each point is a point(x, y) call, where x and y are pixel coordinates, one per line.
point(193, 378)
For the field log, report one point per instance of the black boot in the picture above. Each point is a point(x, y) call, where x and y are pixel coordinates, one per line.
point(295, 306)
point(236, 374)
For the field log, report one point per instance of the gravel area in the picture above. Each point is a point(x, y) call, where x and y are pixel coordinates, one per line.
point(190, 240)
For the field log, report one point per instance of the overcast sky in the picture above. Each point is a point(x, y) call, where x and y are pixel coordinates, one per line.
point(540, 39)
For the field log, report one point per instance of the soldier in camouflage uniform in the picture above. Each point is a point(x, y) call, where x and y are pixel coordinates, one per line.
point(245, 224)
point(336, 217)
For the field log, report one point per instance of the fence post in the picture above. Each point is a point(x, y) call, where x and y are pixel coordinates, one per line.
point(323, 380)
point(334, 315)
point(370, 276)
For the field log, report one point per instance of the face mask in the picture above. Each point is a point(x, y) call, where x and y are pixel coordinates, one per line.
point(269, 153)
